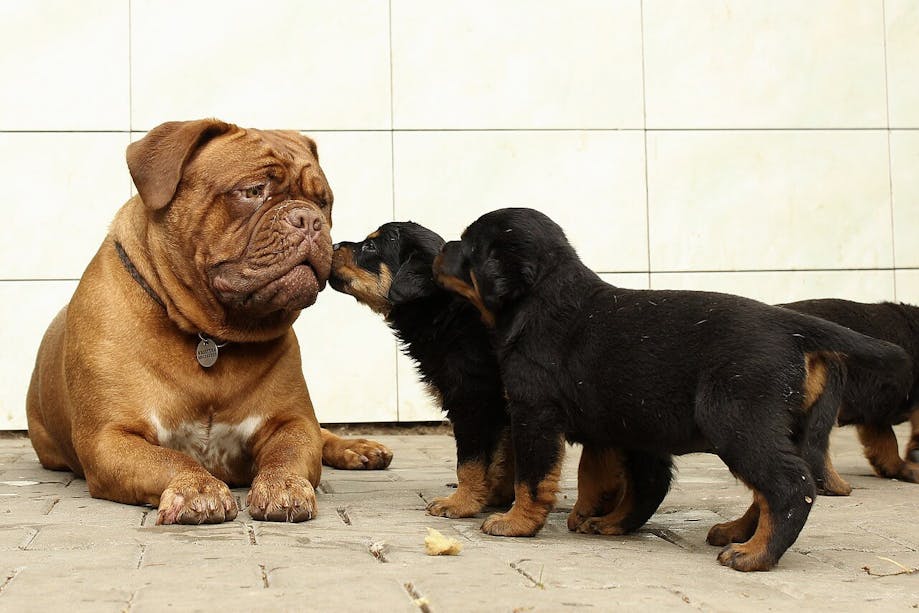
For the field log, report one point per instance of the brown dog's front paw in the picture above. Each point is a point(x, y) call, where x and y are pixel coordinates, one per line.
point(454, 506)
point(357, 454)
point(196, 499)
point(744, 558)
point(508, 524)
point(288, 498)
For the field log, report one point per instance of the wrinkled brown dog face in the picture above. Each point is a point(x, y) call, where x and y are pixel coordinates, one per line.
point(251, 210)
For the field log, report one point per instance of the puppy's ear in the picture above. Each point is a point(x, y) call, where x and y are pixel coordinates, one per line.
point(157, 160)
point(413, 280)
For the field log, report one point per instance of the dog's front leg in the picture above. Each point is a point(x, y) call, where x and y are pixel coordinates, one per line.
point(484, 469)
point(288, 459)
point(539, 449)
point(121, 465)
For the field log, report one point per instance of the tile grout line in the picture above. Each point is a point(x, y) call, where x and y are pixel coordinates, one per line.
point(392, 182)
point(9, 578)
point(568, 129)
point(893, 233)
point(130, 88)
point(130, 74)
point(644, 121)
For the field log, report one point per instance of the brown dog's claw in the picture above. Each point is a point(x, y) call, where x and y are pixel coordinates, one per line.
point(196, 499)
point(288, 498)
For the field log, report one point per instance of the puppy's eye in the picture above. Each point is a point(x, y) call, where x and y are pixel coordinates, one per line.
point(369, 247)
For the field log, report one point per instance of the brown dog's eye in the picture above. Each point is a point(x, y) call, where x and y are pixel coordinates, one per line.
point(253, 192)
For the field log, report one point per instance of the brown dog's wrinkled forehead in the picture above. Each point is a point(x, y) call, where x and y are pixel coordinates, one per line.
point(247, 154)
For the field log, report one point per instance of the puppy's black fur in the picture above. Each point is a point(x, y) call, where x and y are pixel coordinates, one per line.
point(873, 399)
point(655, 372)
point(391, 272)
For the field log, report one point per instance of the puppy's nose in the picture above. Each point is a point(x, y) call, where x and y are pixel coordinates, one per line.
point(336, 246)
point(305, 219)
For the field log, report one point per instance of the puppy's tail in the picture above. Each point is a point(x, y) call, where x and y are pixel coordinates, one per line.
point(825, 337)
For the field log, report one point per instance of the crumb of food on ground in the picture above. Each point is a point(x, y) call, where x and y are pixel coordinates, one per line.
point(436, 544)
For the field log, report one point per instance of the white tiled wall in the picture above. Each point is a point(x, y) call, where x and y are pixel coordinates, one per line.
point(769, 149)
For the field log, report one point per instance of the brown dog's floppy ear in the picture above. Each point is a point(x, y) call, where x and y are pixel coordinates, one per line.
point(156, 161)
point(413, 280)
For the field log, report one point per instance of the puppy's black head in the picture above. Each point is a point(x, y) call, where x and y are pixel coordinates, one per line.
point(389, 267)
point(500, 256)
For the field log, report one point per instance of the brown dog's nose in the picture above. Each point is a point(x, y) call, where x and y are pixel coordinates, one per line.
point(305, 219)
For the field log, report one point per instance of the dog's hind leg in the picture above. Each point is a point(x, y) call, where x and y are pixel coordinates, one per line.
point(756, 445)
point(824, 383)
point(783, 492)
point(880, 447)
point(832, 484)
point(647, 481)
point(739, 530)
point(602, 484)
point(912, 448)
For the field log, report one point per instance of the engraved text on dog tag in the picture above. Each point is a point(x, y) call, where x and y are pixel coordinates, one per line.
point(206, 352)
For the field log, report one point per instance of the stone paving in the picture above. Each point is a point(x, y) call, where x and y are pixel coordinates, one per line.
point(62, 550)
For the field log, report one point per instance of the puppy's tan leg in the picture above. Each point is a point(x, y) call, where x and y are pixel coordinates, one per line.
point(529, 512)
point(532, 502)
point(880, 447)
point(501, 474)
point(912, 447)
point(353, 454)
point(752, 554)
point(833, 484)
point(288, 459)
point(601, 485)
point(739, 530)
point(478, 485)
point(124, 467)
point(470, 496)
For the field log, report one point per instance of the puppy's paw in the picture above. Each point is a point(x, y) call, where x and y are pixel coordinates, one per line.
point(913, 455)
point(909, 472)
point(454, 506)
point(833, 485)
point(281, 498)
point(508, 524)
point(357, 454)
point(601, 525)
point(729, 532)
point(575, 519)
point(743, 558)
point(196, 499)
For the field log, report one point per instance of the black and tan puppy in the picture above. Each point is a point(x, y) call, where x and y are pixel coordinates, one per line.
point(390, 271)
point(873, 400)
point(655, 373)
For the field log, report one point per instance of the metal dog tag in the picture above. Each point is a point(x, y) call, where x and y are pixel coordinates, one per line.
point(206, 352)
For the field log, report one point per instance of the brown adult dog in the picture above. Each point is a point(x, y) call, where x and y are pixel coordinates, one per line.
point(228, 240)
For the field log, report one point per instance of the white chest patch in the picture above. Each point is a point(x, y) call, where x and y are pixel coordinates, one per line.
point(215, 445)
